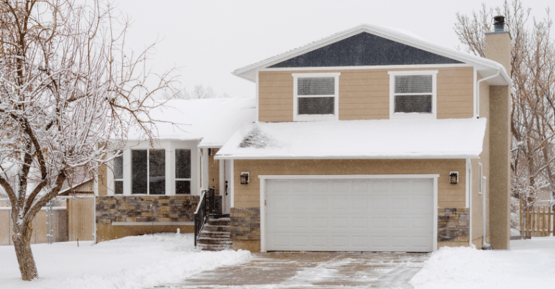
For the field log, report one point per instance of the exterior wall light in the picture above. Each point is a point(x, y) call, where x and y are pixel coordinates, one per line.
point(453, 178)
point(244, 178)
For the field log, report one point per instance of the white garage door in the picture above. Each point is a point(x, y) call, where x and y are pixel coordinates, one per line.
point(350, 215)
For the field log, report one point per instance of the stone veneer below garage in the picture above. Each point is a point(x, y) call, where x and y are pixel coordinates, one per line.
point(145, 211)
point(453, 226)
point(245, 229)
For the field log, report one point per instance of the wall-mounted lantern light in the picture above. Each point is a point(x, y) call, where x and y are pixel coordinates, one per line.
point(453, 178)
point(244, 178)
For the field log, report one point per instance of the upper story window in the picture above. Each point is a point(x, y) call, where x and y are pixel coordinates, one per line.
point(412, 94)
point(315, 96)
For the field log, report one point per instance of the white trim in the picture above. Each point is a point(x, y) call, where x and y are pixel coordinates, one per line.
point(221, 169)
point(262, 214)
point(480, 175)
point(348, 157)
point(367, 67)
point(475, 95)
point(435, 208)
point(468, 165)
point(257, 97)
point(470, 177)
point(296, 116)
point(388, 176)
point(153, 223)
point(393, 114)
point(199, 172)
point(205, 176)
point(263, 179)
point(232, 183)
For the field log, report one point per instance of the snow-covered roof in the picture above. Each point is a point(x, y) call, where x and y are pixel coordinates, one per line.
point(361, 139)
point(487, 67)
point(195, 119)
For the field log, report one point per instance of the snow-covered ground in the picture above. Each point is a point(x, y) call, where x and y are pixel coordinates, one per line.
point(131, 262)
point(528, 264)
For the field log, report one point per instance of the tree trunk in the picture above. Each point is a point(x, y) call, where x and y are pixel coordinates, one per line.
point(22, 245)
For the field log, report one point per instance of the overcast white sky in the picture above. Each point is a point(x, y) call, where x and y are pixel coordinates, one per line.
point(207, 40)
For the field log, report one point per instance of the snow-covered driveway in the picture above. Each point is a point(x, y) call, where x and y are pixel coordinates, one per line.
point(528, 264)
point(127, 263)
point(313, 270)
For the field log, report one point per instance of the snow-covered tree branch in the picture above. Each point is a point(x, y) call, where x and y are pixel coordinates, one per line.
point(69, 89)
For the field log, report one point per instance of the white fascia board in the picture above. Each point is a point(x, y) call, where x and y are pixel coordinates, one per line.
point(332, 157)
point(482, 63)
point(211, 146)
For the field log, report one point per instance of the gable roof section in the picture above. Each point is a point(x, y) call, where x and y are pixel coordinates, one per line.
point(364, 49)
point(486, 67)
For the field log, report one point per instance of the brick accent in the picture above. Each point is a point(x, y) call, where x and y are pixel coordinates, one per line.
point(245, 224)
point(453, 225)
point(145, 208)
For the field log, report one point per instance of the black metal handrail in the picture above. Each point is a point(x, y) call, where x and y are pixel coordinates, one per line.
point(205, 208)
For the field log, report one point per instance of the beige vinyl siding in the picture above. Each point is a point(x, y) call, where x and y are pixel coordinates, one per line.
point(81, 218)
point(450, 196)
point(364, 93)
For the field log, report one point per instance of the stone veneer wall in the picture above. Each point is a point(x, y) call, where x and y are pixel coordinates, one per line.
point(145, 208)
point(453, 225)
point(245, 228)
point(145, 211)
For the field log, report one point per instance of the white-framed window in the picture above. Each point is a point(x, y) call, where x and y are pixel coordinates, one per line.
point(118, 174)
point(168, 168)
point(413, 94)
point(148, 172)
point(182, 171)
point(315, 96)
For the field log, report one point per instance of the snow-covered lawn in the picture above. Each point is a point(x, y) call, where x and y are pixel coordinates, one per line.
point(131, 262)
point(528, 264)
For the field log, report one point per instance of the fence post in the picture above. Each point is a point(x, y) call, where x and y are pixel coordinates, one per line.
point(521, 219)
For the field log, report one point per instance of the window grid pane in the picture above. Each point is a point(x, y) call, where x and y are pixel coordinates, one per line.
point(316, 86)
point(157, 172)
point(118, 168)
point(316, 105)
point(413, 103)
point(413, 84)
point(139, 177)
point(182, 164)
point(182, 187)
point(118, 188)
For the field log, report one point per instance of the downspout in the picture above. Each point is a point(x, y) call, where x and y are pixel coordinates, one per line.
point(485, 245)
point(477, 113)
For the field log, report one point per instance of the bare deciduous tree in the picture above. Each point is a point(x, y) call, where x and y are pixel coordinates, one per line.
point(532, 92)
point(67, 88)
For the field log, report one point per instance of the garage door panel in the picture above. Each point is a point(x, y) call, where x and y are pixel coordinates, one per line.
point(347, 215)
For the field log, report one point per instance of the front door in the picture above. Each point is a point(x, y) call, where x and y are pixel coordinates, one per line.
point(226, 195)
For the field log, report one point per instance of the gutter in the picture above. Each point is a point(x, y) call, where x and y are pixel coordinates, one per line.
point(476, 113)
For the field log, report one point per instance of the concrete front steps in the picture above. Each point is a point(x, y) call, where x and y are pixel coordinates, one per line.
point(216, 234)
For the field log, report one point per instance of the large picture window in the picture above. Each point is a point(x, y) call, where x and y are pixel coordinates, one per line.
point(413, 94)
point(148, 172)
point(315, 96)
point(182, 171)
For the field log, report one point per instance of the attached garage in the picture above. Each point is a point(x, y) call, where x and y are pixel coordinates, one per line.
point(342, 213)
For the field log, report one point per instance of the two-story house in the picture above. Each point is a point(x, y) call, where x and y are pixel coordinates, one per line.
point(373, 140)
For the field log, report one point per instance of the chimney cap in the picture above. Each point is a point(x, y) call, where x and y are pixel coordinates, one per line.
point(499, 23)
